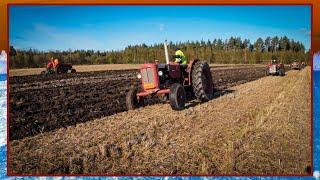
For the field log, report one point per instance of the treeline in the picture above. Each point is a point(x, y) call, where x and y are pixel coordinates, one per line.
point(230, 51)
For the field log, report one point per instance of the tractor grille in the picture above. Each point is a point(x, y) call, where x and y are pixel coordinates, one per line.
point(148, 78)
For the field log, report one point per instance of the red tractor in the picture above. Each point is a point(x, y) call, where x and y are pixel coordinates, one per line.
point(58, 68)
point(275, 68)
point(174, 82)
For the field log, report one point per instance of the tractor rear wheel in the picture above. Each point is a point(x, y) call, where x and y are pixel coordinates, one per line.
point(202, 81)
point(132, 101)
point(62, 68)
point(59, 69)
point(177, 96)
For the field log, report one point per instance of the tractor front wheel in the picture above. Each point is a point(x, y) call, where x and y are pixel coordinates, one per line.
point(202, 81)
point(177, 97)
point(132, 101)
point(73, 71)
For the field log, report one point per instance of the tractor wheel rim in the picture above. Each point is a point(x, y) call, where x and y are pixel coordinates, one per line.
point(180, 96)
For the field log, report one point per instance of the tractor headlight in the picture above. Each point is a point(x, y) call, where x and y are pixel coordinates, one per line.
point(160, 73)
point(139, 76)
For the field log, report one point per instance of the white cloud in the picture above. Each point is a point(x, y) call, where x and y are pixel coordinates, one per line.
point(161, 27)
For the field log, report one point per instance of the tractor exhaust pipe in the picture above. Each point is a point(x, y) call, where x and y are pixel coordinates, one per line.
point(166, 51)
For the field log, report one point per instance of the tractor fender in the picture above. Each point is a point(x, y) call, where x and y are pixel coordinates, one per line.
point(191, 63)
point(190, 68)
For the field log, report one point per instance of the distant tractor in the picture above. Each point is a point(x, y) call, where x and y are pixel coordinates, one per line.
point(296, 65)
point(58, 68)
point(174, 82)
point(275, 68)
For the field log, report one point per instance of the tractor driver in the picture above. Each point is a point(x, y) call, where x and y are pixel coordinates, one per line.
point(180, 57)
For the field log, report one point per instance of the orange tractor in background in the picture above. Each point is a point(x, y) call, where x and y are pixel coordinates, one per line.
point(172, 81)
point(56, 67)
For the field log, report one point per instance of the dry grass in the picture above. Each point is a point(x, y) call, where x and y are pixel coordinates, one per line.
point(261, 127)
point(102, 67)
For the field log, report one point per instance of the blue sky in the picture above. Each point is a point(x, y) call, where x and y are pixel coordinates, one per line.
point(115, 27)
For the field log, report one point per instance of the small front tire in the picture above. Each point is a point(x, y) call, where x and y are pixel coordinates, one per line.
point(132, 101)
point(177, 97)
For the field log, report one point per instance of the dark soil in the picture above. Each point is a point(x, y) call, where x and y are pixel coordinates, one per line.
point(43, 103)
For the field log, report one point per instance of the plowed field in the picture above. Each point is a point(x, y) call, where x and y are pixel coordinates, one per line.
point(43, 103)
point(260, 127)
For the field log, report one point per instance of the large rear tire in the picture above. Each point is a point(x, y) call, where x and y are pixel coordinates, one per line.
point(177, 96)
point(132, 101)
point(61, 68)
point(202, 81)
